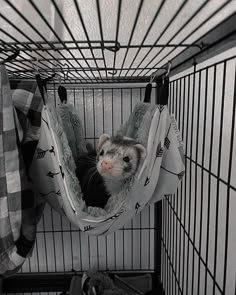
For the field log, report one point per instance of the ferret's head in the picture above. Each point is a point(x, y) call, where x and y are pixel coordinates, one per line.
point(118, 157)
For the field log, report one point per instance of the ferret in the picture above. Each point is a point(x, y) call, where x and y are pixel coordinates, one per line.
point(118, 160)
point(110, 169)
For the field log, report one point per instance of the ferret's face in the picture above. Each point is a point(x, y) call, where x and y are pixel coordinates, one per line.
point(118, 158)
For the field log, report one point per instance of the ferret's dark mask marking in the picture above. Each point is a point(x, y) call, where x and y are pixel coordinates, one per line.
point(126, 159)
point(127, 168)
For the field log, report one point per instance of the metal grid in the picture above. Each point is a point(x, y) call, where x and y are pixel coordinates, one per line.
point(198, 240)
point(134, 49)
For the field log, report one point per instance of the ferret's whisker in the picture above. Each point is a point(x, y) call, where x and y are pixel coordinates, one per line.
point(91, 176)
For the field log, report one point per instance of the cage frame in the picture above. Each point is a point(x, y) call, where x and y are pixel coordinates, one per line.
point(214, 42)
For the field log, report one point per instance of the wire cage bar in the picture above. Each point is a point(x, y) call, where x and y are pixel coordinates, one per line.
point(105, 56)
point(102, 59)
point(196, 220)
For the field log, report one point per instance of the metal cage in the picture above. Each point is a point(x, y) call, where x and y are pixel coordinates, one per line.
point(186, 241)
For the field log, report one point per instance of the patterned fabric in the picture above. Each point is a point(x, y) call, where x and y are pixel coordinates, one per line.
point(53, 169)
point(28, 103)
point(17, 200)
point(48, 171)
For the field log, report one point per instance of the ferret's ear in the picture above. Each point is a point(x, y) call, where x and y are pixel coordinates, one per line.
point(102, 139)
point(141, 149)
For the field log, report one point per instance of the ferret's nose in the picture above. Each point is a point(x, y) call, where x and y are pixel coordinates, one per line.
point(106, 165)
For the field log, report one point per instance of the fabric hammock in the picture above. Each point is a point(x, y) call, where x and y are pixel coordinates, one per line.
point(53, 166)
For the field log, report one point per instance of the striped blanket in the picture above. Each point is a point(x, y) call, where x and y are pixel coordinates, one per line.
point(20, 210)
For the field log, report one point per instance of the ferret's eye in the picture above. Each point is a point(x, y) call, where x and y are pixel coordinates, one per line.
point(101, 153)
point(126, 159)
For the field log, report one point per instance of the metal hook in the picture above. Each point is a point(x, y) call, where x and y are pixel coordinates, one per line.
point(154, 74)
point(67, 73)
point(59, 79)
point(152, 77)
point(11, 57)
point(114, 48)
point(49, 78)
point(58, 74)
point(168, 68)
point(113, 73)
point(36, 67)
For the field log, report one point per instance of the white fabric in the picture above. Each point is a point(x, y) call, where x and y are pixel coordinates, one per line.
point(164, 165)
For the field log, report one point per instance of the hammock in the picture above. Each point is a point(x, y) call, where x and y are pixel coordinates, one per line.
point(53, 165)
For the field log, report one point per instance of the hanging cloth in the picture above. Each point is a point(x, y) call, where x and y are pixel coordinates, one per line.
point(18, 212)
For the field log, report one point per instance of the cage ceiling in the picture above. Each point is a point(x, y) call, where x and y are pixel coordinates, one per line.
point(106, 40)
